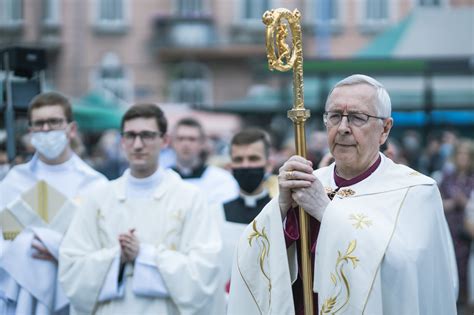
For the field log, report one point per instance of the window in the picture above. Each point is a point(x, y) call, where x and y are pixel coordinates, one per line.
point(51, 10)
point(254, 9)
point(376, 11)
point(11, 13)
point(113, 78)
point(112, 15)
point(375, 15)
point(191, 84)
point(190, 7)
point(326, 11)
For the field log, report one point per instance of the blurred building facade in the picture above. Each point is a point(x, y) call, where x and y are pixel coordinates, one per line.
point(202, 52)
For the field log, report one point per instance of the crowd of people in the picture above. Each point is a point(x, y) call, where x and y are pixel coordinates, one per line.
point(147, 225)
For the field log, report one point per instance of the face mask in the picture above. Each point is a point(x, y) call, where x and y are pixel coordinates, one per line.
point(249, 178)
point(4, 168)
point(49, 143)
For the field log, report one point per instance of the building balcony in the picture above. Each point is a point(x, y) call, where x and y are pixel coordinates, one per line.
point(183, 32)
point(184, 37)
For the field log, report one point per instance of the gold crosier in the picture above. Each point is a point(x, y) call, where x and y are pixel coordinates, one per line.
point(284, 59)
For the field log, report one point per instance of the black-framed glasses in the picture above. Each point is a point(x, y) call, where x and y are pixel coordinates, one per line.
point(146, 137)
point(53, 123)
point(354, 119)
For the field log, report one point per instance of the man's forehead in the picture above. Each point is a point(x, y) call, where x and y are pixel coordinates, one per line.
point(140, 124)
point(48, 111)
point(187, 131)
point(255, 148)
point(360, 97)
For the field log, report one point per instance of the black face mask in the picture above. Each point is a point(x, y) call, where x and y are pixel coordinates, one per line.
point(249, 178)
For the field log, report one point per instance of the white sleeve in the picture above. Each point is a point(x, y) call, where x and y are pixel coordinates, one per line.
point(147, 280)
point(50, 239)
point(112, 289)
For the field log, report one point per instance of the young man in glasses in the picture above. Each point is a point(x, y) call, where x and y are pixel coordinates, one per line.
point(379, 241)
point(146, 243)
point(28, 264)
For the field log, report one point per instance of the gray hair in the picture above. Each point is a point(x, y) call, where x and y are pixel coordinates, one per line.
point(383, 106)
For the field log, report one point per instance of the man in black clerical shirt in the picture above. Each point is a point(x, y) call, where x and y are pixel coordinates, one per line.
point(189, 142)
point(249, 161)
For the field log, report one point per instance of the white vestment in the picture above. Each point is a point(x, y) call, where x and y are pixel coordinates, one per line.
point(29, 285)
point(178, 233)
point(383, 248)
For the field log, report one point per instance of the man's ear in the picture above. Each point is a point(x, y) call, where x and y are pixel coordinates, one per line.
point(72, 130)
point(387, 126)
point(166, 141)
point(269, 166)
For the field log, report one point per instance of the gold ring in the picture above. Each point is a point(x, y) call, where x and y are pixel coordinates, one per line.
point(289, 175)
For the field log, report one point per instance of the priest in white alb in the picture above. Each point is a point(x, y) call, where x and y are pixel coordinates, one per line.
point(379, 239)
point(146, 243)
point(37, 202)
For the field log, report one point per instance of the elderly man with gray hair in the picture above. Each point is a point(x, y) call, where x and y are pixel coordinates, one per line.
point(379, 239)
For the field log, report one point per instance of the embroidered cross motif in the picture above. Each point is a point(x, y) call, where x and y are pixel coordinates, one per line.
point(361, 220)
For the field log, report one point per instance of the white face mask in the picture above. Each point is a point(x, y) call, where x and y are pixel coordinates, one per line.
point(49, 143)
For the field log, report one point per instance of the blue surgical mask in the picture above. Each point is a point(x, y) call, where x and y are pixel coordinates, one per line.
point(49, 143)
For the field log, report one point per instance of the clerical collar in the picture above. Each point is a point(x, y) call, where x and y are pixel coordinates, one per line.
point(342, 182)
point(143, 187)
point(251, 200)
point(187, 173)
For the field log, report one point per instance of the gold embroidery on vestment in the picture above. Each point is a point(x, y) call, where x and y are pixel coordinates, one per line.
point(100, 216)
point(345, 192)
point(10, 236)
point(361, 220)
point(339, 279)
point(265, 250)
point(178, 217)
point(414, 173)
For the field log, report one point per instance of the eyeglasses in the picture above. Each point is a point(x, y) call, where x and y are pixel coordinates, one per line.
point(53, 123)
point(147, 137)
point(354, 119)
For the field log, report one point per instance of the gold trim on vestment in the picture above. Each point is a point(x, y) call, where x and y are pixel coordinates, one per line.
point(346, 192)
point(339, 279)
point(380, 262)
point(10, 236)
point(43, 200)
point(246, 284)
point(265, 250)
point(168, 237)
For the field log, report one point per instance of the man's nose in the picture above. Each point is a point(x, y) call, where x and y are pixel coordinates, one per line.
point(344, 125)
point(138, 142)
point(245, 163)
point(45, 126)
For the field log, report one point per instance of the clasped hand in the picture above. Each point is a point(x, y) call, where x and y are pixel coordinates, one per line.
point(129, 246)
point(298, 186)
point(41, 251)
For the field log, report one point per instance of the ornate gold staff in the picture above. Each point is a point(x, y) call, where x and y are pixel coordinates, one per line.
point(285, 60)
